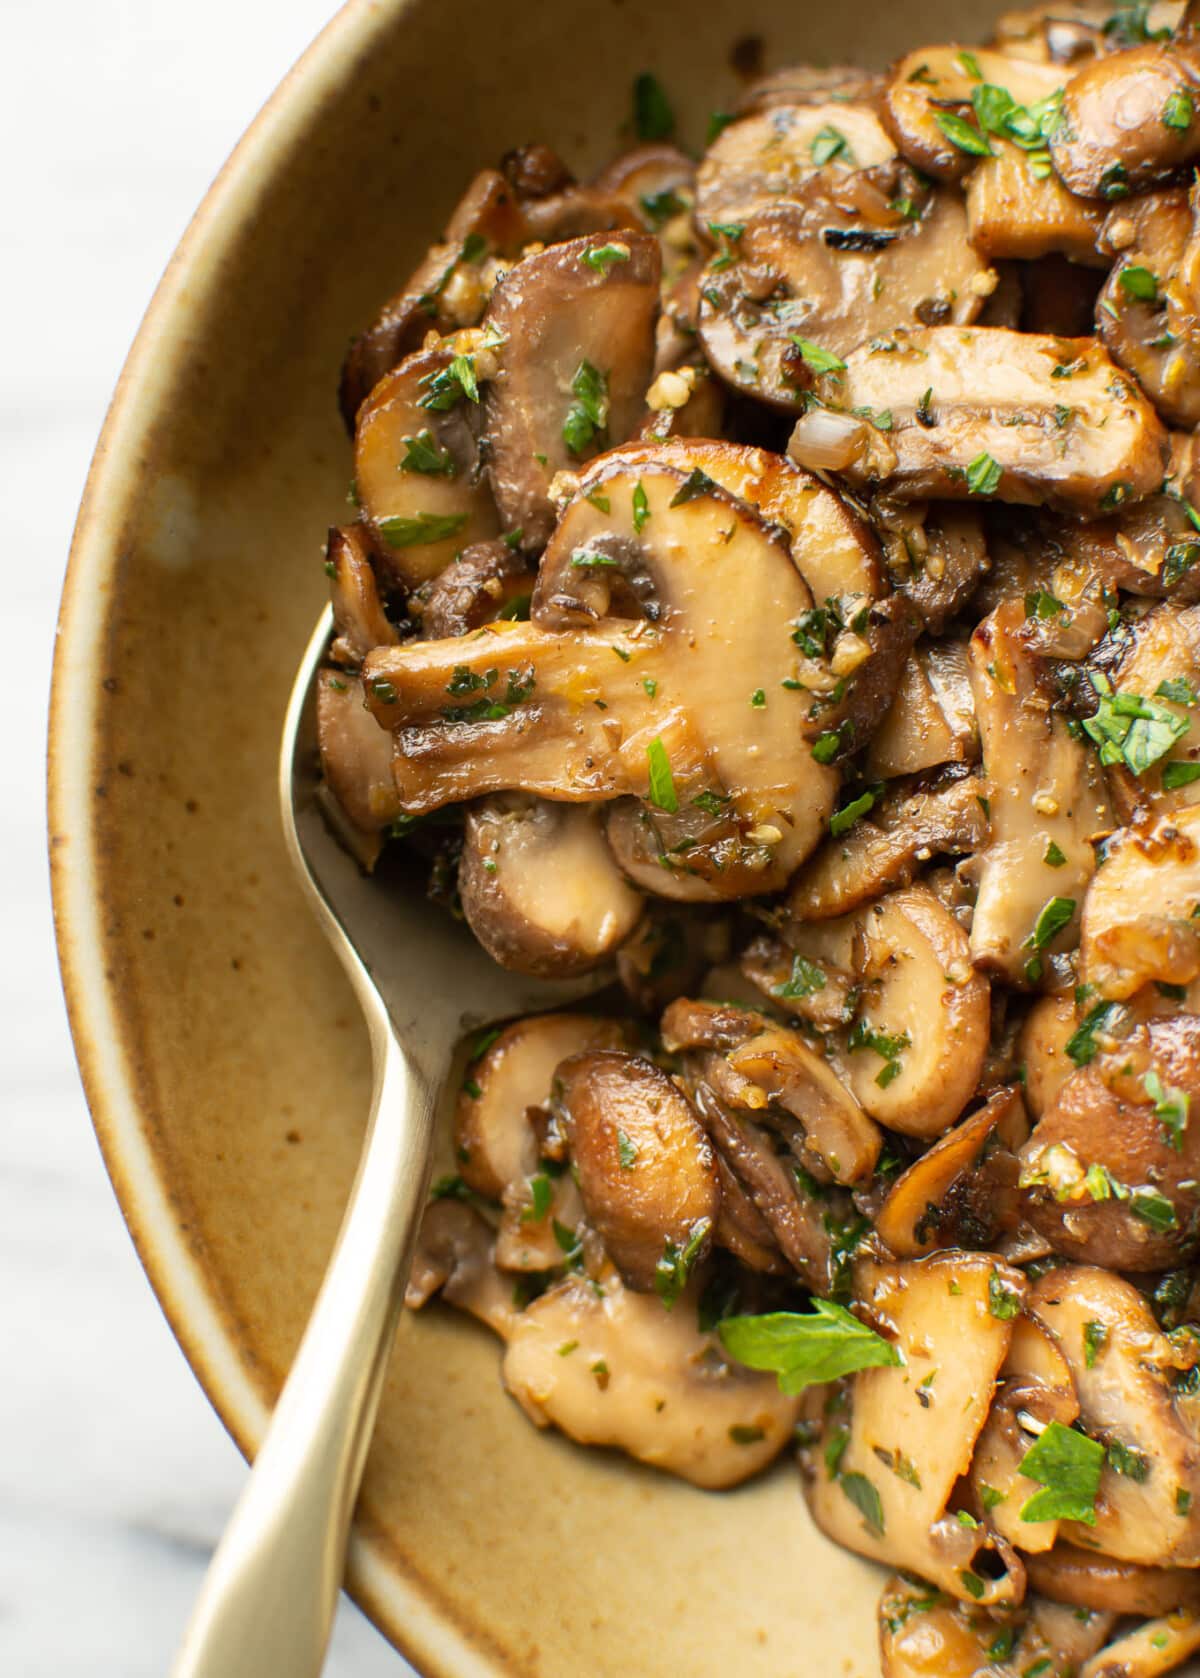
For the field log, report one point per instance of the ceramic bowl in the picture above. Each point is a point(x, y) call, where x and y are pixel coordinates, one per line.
point(224, 1060)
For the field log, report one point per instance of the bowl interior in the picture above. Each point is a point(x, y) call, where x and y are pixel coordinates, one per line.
point(225, 1062)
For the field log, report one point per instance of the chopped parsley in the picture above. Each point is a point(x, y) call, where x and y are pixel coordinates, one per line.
point(588, 414)
point(600, 258)
point(1081, 1046)
point(1154, 1209)
point(865, 1498)
point(1053, 917)
point(1139, 283)
point(1004, 1302)
point(1179, 109)
point(807, 1348)
point(1177, 774)
point(1170, 1108)
point(983, 475)
point(963, 134)
point(662, 792)
point(1129, 729)
point(653, 117)
point(805, 978)
point(420, 528)
point(541, 1193)
point(844, 819)
point(641, 508)
point(819, 360)
point(675, 1263)
point(627, 1151)
point(424, 455)
point(1067, 1466)
point(1054, 857)
point(447, 387)
point(1095, 1338)
point(695, 484)
point(827, 144)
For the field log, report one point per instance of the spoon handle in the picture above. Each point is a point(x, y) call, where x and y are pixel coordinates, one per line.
point(268, 1600)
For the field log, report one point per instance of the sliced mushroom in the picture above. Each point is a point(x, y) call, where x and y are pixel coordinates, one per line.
point(611, 1367)
point(643, 1162)
point(454, 1257)
point(668, 953)
point(356, 757)
point(1148, 1650)
point(923, 1634)
point(358, 615)
point(487, 581)
point(833, 549)
point(1147, 312)
point(932, 1203)
point(912, 1428)
point(586, 714)
point(575, 325)
point(1083, 1579)
point(795, 1077)
point(741, 1228)
point(448, 290)
point(1018, 209)
point(913, 822)
point(936, 555)
point(835, 270)
point(1010, 415)
point(416, 459)
point(1117, 135)
point(1139, 917)
point(1049, 1026)
point(495, 1146)
point(1110, 1172)
point(1126, 1373)
point(1047, 803)
point(1035, 1389)
point(939, 81)
point(914, 1056)
point(770, 155)
point(1074, 31)
point(815, 976)
point(931, 721)
point(812, 84)
point(646, 179)
point(539, 886)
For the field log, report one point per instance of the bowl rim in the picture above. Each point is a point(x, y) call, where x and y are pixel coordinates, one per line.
point(390, 1592)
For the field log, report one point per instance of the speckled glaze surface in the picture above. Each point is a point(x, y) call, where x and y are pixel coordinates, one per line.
point(224, 1061)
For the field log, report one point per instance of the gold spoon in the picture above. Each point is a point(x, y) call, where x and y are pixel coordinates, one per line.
point(266, 1607)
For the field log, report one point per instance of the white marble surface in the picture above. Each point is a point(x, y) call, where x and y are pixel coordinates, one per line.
point(115, 1476)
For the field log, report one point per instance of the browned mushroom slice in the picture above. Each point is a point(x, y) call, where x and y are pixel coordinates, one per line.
point(454, 1257)
point(356, 758)
point(1016, 208)
point(767, 157)
point(655, 182)
point(611, 1367)
point(912, 1428)
point(576, 329)
point(929, 100)
point(795, 1077)
point(936, 555)
point(915, 1053)
point(1132, 1383)
point(925, 1634)
point(668, 952)
point(832, 547)
point(358, 615)
point(910, 824)
point(648, 704)
point(487, 581)
point(1149, 1650)
point(931, 721)
point(1074, 31)
point(539, 886)
point(1049, 1026)
point(1139, 917)
point(1110, 1171)
point(1147, 312)
point(416, 459)
point(741, 1228)
point(931, 1204)
point(495, 1146)
point(822, 269)
point(815, 976)
point(644, 1165)
point(1150, 549)
point(1008, 415)
point(1129, 120)
point(1083, 1579)
point(812, 84)
point(448, 290)
point(1047, 803)
point(1036, 1388)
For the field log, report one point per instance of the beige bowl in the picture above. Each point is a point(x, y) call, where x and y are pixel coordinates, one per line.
point(223, 1057)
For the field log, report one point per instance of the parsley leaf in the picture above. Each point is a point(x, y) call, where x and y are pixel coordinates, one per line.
point(641, 508)
point(1131, 730)
point(1179, 775)
point(828, 143)
point(983, 475)
point(652, 114)
point(662, 792)
point(1067, 1466)
point(675, 1265)
point(865, 1498)
point(696, 483)
point(588, 414)
point(1178, 110)
point(424, 455)
point(806, 977)
point(821, 361)
point(1082, 1047)
point(960, 133)
point(807, 1348)
point(844, 819)
point(1053, 917)
point(447, 387)
point(421, 528)
point(600, 258)
point(1139, 283)
point(1170, 1108)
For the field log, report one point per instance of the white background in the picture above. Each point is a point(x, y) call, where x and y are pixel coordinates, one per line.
point(115, 1476)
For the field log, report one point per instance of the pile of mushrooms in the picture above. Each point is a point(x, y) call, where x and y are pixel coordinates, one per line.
point(775, 587)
